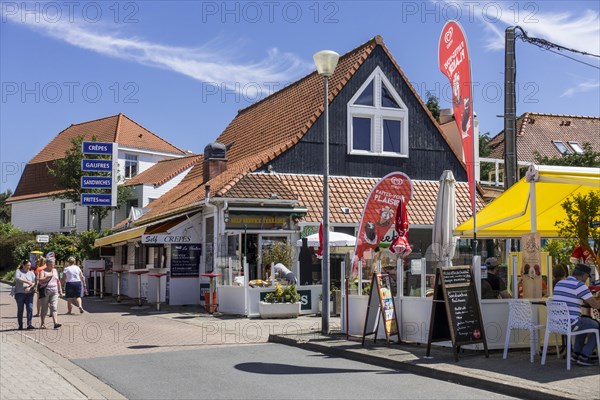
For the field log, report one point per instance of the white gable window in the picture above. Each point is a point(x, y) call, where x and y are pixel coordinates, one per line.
point(131, 165)
point(377, 119)
point(68, 215)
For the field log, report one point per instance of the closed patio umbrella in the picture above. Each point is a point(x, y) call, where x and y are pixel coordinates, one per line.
point(443, 244)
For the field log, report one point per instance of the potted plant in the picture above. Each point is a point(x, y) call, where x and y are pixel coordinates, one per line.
point(281, 303)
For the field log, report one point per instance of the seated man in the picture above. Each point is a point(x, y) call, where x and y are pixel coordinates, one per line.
point(574, 292)
point(282, 271)
point(497, 286)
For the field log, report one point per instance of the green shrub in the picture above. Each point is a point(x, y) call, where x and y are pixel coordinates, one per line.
point(288, 295)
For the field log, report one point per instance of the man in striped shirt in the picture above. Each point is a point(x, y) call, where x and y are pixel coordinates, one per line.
point(574, 292)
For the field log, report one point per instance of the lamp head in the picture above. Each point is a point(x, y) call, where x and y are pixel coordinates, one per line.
point(326, 61)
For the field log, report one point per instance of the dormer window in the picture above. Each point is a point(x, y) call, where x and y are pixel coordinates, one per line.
point(560, 146)
point(576, 147)
point(131, 165)
point(377, 119)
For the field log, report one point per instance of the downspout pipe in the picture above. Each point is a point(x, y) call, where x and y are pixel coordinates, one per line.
point(215, 209)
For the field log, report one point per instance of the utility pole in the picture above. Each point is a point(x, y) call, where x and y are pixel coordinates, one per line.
point(510, 109)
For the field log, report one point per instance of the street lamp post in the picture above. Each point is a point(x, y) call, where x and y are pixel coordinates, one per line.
point(326, 61)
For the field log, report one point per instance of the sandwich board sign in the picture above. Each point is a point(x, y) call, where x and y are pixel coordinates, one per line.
point(104, 184)
point(381, 306)
point(455, 312)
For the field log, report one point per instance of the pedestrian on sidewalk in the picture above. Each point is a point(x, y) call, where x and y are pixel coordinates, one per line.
point(74, 285)
point(40, 265)
point(50, 290)
point(24, 288)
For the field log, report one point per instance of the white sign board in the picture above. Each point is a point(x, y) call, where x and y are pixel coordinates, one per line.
point(165, 239)
point(42, 238)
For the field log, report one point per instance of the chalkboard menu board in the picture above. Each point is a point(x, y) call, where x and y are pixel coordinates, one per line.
point(455, 313)
point(185, 260)
point(381, 300)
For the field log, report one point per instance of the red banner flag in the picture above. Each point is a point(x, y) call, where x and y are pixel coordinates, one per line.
point(378, 214)
point(320, 250)
point(453, 57)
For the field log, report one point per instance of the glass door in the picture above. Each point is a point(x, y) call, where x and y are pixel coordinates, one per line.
point(268, 245)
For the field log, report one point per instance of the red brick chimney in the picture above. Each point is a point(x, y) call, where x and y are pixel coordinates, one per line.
point(215, 160)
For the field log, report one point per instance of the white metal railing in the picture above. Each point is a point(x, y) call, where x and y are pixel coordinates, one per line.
point(496, 177)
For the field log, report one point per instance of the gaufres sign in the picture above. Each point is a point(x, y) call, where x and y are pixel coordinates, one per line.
point(165, 239)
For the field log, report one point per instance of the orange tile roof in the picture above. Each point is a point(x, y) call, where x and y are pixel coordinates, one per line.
point(35, 180)
point(164, 170)
point(280, 121)
point(536, 131)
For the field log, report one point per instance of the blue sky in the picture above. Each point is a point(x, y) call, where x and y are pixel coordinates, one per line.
point(184, 68)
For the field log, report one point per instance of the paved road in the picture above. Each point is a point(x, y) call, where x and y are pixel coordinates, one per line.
point(263, 371)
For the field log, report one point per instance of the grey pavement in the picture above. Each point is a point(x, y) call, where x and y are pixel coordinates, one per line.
point(107, 329)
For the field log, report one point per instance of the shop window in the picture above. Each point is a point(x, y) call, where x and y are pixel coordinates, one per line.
point(131, 165)
point(141, 255)
point(68, 215)
point(124, 255)
point(377, 119)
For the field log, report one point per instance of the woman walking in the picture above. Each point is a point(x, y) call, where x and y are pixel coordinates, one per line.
point(75, 282)
point(50, 290)
point(40, 265)
point(24, 287)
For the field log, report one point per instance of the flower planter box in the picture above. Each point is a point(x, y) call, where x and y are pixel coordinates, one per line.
point(278, 310)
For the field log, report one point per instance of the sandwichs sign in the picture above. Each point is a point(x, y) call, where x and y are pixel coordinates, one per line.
point(166, 239)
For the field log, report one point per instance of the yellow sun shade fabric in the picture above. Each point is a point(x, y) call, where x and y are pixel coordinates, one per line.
point(120, 237)
point(509, 215)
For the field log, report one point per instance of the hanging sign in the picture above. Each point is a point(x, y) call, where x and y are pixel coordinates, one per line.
point(99, 182)
point(455, 312)
point(381, 304)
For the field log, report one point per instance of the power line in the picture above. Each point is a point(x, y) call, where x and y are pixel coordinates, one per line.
point(547, 45)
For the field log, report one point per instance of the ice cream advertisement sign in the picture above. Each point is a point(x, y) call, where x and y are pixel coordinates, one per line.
point(453, 57)
point(378, 217)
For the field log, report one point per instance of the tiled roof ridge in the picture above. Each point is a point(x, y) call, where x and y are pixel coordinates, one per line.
point(90, 121)
point(523, 120)
point(562, 115)
point(375, 40)
point(179, 170)
point(149, 131)
point(166, 160)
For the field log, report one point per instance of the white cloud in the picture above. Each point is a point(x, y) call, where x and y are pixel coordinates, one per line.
point(209, 63)
point(581, 87)
point(578, 29)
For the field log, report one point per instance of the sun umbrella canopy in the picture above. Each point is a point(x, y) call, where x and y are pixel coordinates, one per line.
point(335, 239)
point(443, 244)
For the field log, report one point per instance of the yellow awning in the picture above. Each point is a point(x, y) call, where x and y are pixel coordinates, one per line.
point(120, 237)
point(509, 215)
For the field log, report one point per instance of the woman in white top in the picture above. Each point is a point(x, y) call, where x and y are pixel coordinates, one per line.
point(75, 282)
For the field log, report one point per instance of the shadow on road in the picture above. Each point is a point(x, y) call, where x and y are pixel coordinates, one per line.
point(287, 369)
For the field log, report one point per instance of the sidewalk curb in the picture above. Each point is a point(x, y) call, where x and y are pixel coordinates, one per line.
point(506, 388)
point(80, 379)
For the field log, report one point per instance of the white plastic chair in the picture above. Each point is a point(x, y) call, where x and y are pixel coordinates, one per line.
point(520, 316)
point(559, 322)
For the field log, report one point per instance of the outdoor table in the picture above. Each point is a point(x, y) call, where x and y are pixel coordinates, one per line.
point(211, 291)
point(95, 271)
point(157, 275)
point(119, 272)
point(139, 273)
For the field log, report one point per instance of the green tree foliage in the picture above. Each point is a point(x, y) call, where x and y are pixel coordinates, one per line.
point(67, 172)
point(581, 209)
point(484, 151)
point(5, 208)
point(589, 158)
point(10, 239)
point(434, 106)
point(560, 250)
